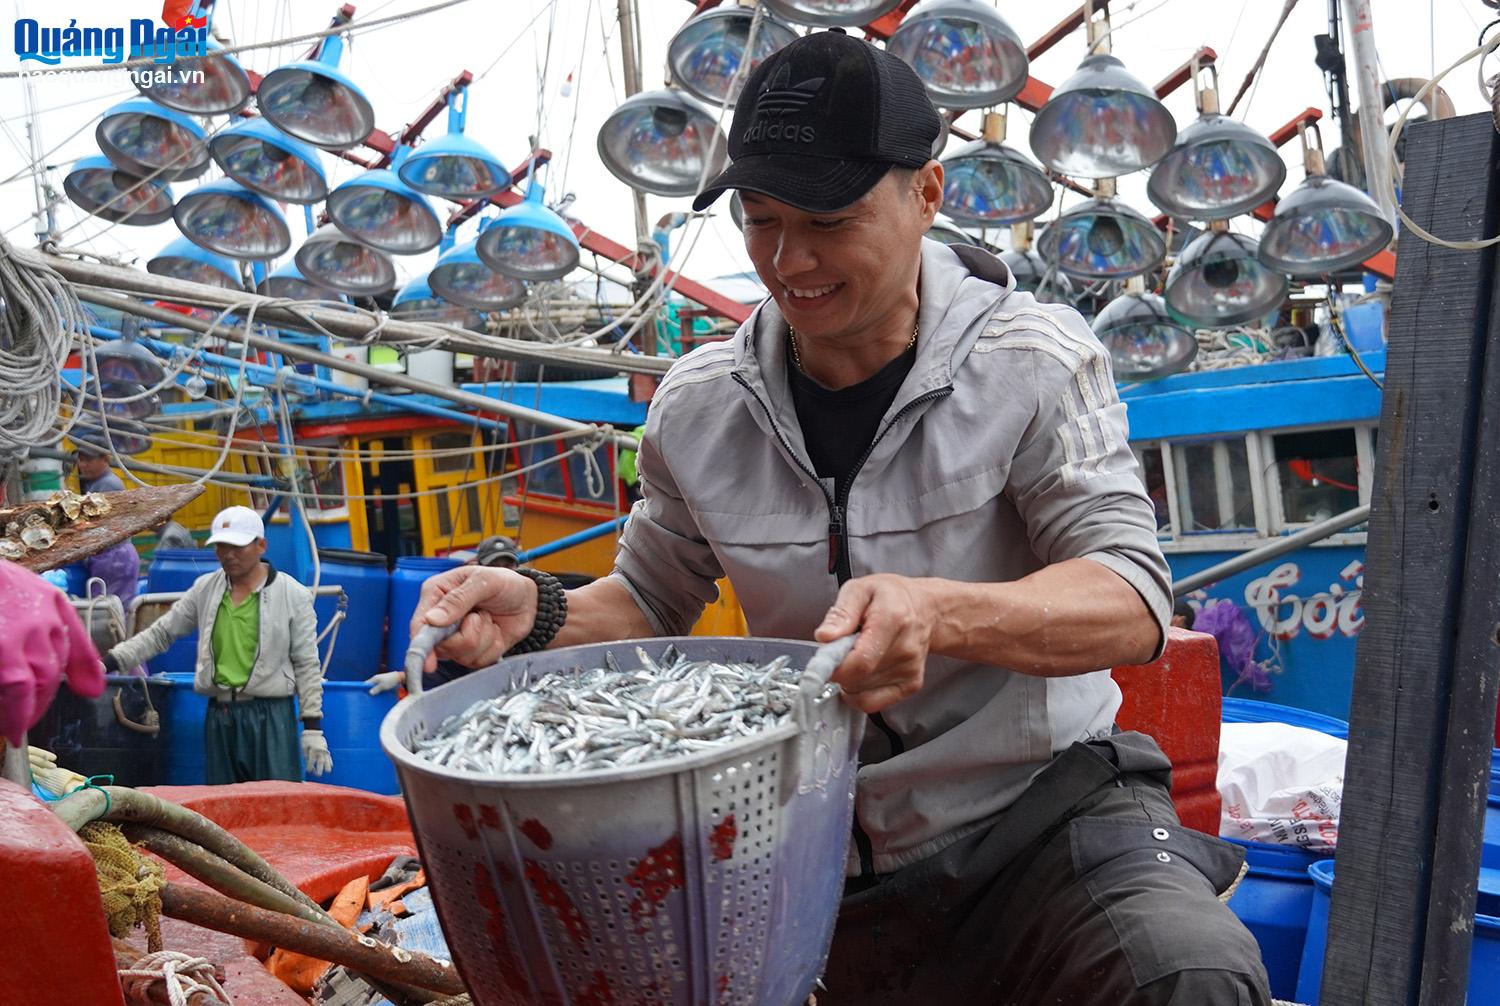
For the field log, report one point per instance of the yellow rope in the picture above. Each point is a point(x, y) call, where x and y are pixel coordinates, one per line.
point(129, 883)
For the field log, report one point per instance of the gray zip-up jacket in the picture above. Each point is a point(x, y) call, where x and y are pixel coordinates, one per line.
point(1003, 452)
point(286, 660)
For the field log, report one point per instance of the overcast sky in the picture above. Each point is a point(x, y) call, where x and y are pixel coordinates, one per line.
point(505, 43)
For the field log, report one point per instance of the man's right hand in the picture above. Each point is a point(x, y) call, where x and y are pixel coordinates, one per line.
point(495, 609)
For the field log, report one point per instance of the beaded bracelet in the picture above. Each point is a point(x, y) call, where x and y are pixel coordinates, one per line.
point(551, 612)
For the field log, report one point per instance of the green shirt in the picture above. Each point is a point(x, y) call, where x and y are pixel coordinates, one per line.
point(236, 638)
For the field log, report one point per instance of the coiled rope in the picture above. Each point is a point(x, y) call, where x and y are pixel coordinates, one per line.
point(41, 322)
point(182, 974)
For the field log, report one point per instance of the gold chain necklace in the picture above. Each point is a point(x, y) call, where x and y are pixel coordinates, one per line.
point(791, 334)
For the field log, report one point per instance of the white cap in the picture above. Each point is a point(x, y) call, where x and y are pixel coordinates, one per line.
point(236, 525)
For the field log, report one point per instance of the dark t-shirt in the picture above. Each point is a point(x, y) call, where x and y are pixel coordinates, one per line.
point(839, 426)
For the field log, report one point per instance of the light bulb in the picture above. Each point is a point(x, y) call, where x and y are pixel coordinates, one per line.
point(195, 386)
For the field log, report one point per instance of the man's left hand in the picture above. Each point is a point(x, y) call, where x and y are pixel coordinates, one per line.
point(895, 619)
point(315, 752)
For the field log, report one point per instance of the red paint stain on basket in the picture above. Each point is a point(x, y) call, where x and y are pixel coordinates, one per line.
point(464, 814)
point(721, 839)
point(490, 818)
point(508, 970)
point(598, 992)
point(537, 832)
point(658, 875)
point(552, 894)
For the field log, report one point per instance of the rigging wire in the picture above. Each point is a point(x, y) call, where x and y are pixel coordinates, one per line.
point(1260, 61)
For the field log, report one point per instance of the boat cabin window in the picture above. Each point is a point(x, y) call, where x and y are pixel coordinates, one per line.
point(548, 479)
point(1154, 475)
point(1319, 474)
point(1213, 486)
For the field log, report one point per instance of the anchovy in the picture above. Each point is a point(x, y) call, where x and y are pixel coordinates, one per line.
point(611, 716)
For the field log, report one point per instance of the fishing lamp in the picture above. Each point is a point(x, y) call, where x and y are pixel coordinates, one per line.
point(142, 138)
point(1218, 280)
point(416, 302)
point(1047, 285)
point(330, 259)
point(831, 13)
point(125, 361)
point(1143, 340)
point(455, 167)
point(227, 218)
point(660, 141)
point(706, 53)
point(1101, 122)
point(986, 182)
point(964, 51)
point(264, 159)
point(181, 259)
point(1218, 168)
point(224, 89)
point(1324, 225)
point(462, 277)
point(287, 282)
point(530, 242)
point(315, 102)
point(101, 189)
point(381, 210)
point(1103, 238)
point(126, 436)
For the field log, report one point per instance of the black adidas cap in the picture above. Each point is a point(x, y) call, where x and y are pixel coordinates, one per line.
point(822, 120)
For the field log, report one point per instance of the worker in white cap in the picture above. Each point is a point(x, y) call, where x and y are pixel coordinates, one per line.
point(256, 649)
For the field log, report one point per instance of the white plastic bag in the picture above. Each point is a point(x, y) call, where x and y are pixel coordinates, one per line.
point(1281, 784)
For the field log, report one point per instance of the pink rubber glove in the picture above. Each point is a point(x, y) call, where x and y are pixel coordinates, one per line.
point(42, 640)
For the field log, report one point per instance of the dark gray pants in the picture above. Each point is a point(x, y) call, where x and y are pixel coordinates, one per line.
point(1086, 892)
point(251, 740)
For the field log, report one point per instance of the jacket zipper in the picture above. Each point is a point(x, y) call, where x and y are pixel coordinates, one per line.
point(839, 564)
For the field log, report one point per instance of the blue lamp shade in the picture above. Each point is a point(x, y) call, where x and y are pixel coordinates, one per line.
point(333, 260)
point(831, 13)
point(126, 436)
point(659, 142)
point(181, 259)
point(416, 302)
point(529, 242)
point(384, 212)
point(125, 361)
point(454, 167)
point(1218, 280)
point(1218, 168)
point(286, 281)
point(1323, 226)
point(1144, 341)
point(315, 102)
point(101, 189)
point(263, 158)
point(225, 87)
point(706, 53)
point(142, 138)
point(1101, 123)
point(989, 183)
point(461, 277)
point(1103, 239)
point(1046, 283)
point(964, 51)
point(227, 218)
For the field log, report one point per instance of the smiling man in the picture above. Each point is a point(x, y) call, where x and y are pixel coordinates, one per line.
point(900, 442)
point(256, 649)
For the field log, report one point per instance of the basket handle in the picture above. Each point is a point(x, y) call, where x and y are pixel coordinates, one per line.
point(824, 738)
point(423, 642)
point(823, 663)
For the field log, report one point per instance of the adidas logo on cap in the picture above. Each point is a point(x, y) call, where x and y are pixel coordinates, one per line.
point(777, 99)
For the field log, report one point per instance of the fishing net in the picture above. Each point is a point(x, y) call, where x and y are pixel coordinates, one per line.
point(129, 883)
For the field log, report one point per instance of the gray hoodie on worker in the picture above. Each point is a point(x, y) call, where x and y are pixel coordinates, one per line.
point(1004, 451)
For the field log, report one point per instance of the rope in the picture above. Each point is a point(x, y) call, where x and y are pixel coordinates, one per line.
point(129, 884)
point(1229, 891)
point(42, 322)
point(182, 974)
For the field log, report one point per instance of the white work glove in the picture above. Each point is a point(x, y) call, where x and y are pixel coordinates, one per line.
point(386, 681)
point(315, 752)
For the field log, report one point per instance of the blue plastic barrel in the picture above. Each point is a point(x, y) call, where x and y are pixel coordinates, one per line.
point(363, 575)
point(1484, 959)
point(1254, 711)
point(173, 570)
point(351, 725)
point(1273, 901)
point(1489, 856)
point(182, 732)
point(406, 585)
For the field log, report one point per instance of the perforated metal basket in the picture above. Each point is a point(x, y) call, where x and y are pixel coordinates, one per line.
point(711, 879)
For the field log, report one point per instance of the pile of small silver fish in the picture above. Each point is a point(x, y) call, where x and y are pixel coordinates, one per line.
point(608, 717)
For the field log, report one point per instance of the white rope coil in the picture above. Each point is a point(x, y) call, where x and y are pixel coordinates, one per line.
point(182, 974)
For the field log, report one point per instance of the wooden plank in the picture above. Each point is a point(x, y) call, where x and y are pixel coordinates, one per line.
point(1420, 728)
point(130, 513)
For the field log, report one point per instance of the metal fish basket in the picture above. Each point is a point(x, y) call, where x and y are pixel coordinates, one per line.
point(707, 879)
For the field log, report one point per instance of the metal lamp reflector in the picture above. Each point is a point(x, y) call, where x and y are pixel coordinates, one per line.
point(831, 13)
point(100, 188)
point(331, 259)
point(529, 241)
point(263, 158)
point(1217, 169)
point(1047, 284)
point(461, 277)
point(142, 138)
point(384, 212)
point(1103, 239)
point(964, 51)
point(706, 53)
point(181, 259)
point(455, 167)
point(1102, 122)
point(225, 87)
point(986, 182)
point(659, 142)
point(1218, 280)
point(1143, 339)
point(227, 218)
point(1323, 226)
point(416, 302)
point(313, 101)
